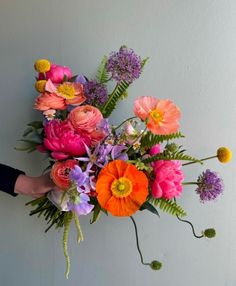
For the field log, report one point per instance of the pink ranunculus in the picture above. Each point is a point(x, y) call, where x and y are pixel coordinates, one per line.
point(57, 73)
point(46, 101)
point(63, 140)
point(168, 179)
point(85, 118)
point(160, 115)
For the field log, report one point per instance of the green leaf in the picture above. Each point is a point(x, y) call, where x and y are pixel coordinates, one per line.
point(102, 74)
point(96, 213)
point(150, 139)
point(149, 207)
point(168, 206)
point(36, 124)
point(179, 155)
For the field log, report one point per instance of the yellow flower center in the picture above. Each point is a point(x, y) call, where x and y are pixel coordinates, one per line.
point(157, 116)
point(66, 90)
point(122, 187)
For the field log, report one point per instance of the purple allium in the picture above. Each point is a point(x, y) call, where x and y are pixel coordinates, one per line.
point(124, 65)
point(96, 93)
point(210, 186)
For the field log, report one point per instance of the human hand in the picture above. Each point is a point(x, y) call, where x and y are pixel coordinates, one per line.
point(34, 186)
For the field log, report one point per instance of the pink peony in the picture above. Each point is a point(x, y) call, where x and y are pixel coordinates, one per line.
point(168, 179)
point(57, 73)
point(63, 140)
point(160, 115)
point(46, 101)
point(85, 118)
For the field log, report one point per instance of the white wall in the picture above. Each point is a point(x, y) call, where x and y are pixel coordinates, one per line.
point(192, 50)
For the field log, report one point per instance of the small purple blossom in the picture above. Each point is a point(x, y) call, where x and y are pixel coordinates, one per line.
point(81, 79)
point(81, 206)
point(96, 93)
point(81, 179)
point(104, 126)
point(98, 157)
point(210, 186)
point(117, 153)
point(124, 65)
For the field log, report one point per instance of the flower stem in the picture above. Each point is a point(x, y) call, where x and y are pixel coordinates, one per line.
point(190, 183)
point(193, 230)
point(65, 241)
point(80, 236)
point(204, 159)
point(137, 242)
point(133, 117)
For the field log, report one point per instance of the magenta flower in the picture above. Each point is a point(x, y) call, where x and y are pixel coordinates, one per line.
point(168, 179)
point(57, 73)
point(63, 140)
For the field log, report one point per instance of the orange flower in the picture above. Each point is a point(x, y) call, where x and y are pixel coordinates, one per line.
point(121, 188)
point(161, 115)
point(60, 173)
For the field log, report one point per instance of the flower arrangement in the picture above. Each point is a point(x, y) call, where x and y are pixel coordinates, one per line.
point(113, 169)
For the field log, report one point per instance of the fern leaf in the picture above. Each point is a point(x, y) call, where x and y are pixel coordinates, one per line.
point(150, 139)
point(102, 74)
point(168, 206)
point(171, 156)
point(116, 95)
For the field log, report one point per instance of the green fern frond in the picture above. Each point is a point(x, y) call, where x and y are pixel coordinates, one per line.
point(102, 74)
point(117, 94)
point(168, 206)
point(179, 155)
point(150, 139)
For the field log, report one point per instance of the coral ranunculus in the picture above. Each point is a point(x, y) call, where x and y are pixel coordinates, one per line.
point(72, 92)
point(161, 115)
point(61, 138)
point(168, 179)
point(60, 173)
point(46, 101)
point(121, 188)
point(85, 118)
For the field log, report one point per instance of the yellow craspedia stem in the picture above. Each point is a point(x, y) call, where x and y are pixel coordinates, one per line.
point(40, 85)
point(224, 154)
point(42, 65)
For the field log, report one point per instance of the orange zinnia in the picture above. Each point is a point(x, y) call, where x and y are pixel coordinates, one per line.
point(121, 188)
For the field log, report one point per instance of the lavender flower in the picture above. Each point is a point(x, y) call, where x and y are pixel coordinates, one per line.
point(210, 186)
point(124, 65)
point(96, 93)
point(81, 206)
point(117, 153)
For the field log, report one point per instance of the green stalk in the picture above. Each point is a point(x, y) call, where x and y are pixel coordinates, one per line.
point(204, 159)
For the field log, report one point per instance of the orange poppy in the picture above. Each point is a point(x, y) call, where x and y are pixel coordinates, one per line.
point(121, 188)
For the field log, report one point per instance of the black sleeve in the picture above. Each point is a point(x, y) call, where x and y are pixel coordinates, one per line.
point(8, 177)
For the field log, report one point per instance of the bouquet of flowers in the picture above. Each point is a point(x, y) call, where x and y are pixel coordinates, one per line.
point(100, 167)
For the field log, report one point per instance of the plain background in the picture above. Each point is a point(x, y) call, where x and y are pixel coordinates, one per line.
point(192, 50)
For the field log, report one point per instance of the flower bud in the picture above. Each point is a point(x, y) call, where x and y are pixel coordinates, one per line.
point(155, 265)
point(209, 232)
point(224, 154)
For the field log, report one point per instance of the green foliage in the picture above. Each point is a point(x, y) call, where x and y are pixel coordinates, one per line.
point(168, 206)
point(96, 213)
point(53, 216)
point(150, 139)
point(118, 93)
point(102, 74)
point(32, 137)
point(68, 218)
point(149, 207)
point(166, 155)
